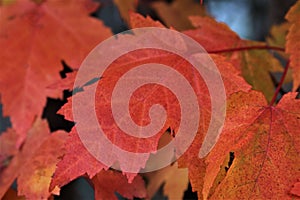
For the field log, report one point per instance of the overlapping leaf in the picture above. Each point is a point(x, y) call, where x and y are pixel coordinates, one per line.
point(278, 34)
point(138, 21)
point(266, 151)
point(35, 38)
point(76, 162)
point(34, 165)
point(35, 177)
point(255, 65)
point(292, 44)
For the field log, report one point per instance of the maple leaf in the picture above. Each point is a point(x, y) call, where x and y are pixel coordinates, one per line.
point(76, 162)
point(107, 183)
point(255, 65)
point(231, 77)
point(207, 41)
point(66, 83)
point(277, 37)
point(208, 33)
point(266, 150)
point(292, 43)
point(34, 165)
point(113, 133)
point(47, 33)
point(176, 14)
point(278, 34)
point(34, 179)
point(139, 21)
point(233, 83)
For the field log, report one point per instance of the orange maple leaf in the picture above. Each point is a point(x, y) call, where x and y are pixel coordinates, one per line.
point(34, 165)
point(292, 43)
point(265, 144)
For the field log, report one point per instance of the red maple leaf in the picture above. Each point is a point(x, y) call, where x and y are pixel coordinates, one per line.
point(265, 143)
point(149, 94)
point(253, 59)
point(35, 38)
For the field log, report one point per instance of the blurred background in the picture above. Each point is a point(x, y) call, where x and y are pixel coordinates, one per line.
point(250, 19)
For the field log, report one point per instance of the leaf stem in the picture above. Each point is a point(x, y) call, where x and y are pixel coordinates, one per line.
point(247, 48)
point(280, 83)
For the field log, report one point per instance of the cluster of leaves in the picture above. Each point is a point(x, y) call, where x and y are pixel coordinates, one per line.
point(256, 157)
